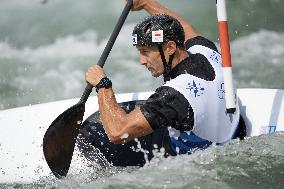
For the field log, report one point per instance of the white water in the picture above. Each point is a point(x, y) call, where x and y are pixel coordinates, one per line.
point(258, 59)
point(46, 49)
point(256, 162)
point(56, 71)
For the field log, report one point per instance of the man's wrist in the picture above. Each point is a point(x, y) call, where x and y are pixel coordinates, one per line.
point(152, 7)
point(104, 83)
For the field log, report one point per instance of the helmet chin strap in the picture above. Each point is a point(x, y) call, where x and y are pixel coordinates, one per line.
point(167, 66)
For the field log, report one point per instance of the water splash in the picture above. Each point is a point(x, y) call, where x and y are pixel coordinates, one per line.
point(254, 162)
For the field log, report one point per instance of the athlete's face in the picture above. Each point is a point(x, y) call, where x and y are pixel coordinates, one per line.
point(150, 57)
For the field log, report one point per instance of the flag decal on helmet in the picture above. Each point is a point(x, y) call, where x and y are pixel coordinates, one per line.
point(157, 36)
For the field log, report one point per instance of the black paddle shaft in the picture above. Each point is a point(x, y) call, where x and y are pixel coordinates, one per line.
point(60, 137)
point(109, 46)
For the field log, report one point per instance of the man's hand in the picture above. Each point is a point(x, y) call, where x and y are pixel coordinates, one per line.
point(94, 75)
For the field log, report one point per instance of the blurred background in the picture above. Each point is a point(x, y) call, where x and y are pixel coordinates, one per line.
point(46, 46)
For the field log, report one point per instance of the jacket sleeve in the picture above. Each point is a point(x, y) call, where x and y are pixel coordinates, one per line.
point(167, 107)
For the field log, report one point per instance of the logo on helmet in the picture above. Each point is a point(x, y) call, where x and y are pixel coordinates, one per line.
point(134, 39)
point(157, 36)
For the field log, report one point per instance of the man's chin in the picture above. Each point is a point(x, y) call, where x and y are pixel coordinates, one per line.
point(156, 75)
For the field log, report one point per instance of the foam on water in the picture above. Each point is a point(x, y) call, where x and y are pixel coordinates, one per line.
point(45, 51)
point(258, 60)
point(256, 162)
point(56, 71)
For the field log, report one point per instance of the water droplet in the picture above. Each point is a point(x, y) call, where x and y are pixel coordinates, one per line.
point(177, 149)
point(124, 136)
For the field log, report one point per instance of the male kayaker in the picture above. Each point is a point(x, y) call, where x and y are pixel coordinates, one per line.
point(186, 113)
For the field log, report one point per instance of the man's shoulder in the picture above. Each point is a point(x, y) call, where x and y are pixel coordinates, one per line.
point(199, 40)
point(165, 91)
point(165, 94)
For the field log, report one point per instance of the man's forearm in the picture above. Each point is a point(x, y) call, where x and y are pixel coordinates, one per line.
point(120, 126)
point(112, 115)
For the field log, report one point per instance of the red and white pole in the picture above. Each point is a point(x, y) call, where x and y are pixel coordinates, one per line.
point(226, 55)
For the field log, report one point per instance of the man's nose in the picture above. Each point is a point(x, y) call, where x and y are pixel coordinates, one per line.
point(143, 60)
